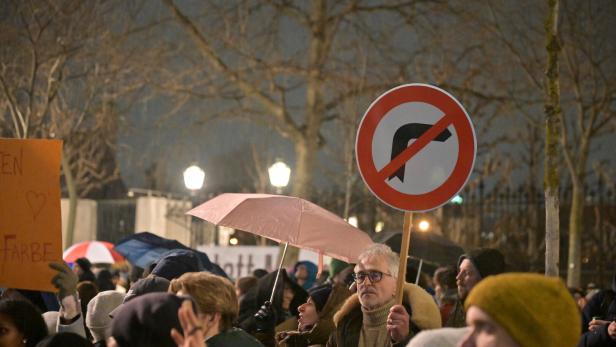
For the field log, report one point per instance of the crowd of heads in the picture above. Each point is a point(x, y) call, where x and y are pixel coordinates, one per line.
point(480, 302)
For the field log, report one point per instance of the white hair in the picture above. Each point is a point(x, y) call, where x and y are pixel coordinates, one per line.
point(381, 250)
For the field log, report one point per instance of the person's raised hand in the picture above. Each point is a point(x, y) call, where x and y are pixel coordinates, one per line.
point(597, 324)
point(193, 332)
point(398, 323)
point(266, 317)
point(65, 280)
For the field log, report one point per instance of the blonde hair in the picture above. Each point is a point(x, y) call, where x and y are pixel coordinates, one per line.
point(212, 293)
point(381, 250)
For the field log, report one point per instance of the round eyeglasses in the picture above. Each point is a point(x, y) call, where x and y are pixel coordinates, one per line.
point(373, 275)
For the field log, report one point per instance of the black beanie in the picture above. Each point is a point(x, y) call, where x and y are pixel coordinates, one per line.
point(147, 285)
point(320, 295)
point(147, 321)
point(488, 261)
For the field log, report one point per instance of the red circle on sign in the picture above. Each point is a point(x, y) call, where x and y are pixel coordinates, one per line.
point(454, 114)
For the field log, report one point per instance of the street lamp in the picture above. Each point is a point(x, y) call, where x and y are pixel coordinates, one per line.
point(424, 225)
point(279, 174)
point(353, 221)
point(193, 178)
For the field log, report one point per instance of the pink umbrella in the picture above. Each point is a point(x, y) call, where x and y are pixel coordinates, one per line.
point(286, 219)
point(289, 220)
point(97, 252)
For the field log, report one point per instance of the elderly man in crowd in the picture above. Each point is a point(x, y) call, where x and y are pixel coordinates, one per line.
point(370, 317)
point(472, 268)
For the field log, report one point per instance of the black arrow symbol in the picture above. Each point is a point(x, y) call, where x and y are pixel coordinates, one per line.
point(406, 133)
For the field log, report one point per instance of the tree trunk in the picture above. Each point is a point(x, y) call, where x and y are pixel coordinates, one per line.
point(574, 268)
point(307, 145)
point(552, 135)
point(72, 202)
point(301, 180)
point(349, 164)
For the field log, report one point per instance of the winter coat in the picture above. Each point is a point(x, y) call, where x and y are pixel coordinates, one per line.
point(457, 316)
point(320, 332)
point(602, 304)
point(254, 299)
point(418, 303)
point(233, 337)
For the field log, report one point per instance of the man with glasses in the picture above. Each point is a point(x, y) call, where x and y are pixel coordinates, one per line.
point(370, 317)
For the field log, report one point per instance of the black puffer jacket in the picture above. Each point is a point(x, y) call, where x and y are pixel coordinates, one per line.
point(602, 304)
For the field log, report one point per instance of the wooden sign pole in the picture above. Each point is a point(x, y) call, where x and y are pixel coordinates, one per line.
point(404, 253)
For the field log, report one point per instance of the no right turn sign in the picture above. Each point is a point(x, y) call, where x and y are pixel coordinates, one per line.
point(415, 147)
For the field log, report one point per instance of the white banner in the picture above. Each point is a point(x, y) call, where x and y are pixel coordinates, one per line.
point(240, 261)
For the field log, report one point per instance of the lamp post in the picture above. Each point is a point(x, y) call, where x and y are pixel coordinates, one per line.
point(194, 177)
point(279, 175)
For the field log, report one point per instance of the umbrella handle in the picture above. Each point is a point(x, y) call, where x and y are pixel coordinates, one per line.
point(418, 271)
point(284, 253)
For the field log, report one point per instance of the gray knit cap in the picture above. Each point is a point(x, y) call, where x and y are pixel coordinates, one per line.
point(97, 319)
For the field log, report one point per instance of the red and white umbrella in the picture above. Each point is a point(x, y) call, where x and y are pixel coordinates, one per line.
point(97, 252)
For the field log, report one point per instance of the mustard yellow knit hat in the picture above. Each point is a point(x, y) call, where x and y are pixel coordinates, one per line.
point(535, 310)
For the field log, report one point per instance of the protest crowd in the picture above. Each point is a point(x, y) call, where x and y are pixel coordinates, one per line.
point(173, 302)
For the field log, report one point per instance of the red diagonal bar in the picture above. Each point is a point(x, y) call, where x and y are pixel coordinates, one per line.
point(415, 147)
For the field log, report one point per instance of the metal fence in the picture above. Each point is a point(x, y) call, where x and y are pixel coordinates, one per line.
point(513, 220)
point(115, 219)
point(510, 219)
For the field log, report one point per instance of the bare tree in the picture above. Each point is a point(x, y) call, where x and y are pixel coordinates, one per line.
point(588, 52)
point(61, 63)
point(280, 65)
point(586, 82)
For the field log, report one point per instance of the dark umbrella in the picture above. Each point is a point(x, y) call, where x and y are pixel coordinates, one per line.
point(433, 249)
point(142, 249)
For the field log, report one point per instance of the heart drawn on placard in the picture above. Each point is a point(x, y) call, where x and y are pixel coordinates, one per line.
point(36, 201)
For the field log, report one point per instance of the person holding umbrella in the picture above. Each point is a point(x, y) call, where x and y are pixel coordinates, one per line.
point(260, 316)
point(370, 317)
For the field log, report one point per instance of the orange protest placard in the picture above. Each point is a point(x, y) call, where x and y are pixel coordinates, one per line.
point(30, 222)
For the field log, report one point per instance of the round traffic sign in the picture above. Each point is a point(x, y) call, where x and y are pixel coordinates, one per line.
point(415, 147)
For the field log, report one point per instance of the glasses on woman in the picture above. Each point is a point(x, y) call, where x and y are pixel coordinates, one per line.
point(373, 275)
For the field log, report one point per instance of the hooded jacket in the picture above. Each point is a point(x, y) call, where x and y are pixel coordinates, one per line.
point(602, 304)
point(418, 303)
point(255, 297)
point(319, 334)
point(312, 270)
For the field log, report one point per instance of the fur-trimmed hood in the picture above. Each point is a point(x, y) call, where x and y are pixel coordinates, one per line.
point(425, 312)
